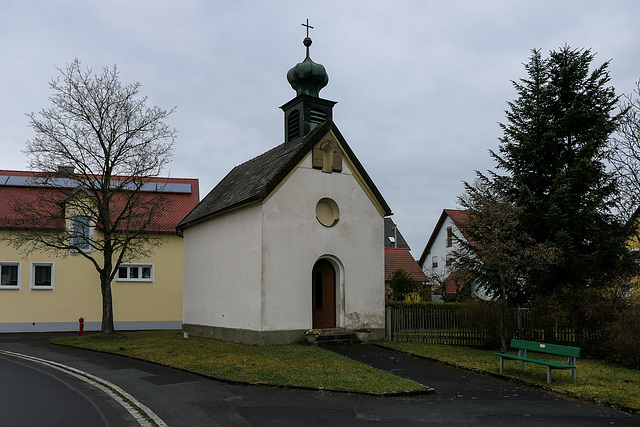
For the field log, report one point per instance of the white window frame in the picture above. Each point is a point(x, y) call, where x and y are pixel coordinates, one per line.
point(32, 280)
point(11, 264)
point(139, 266)
point(88, 236)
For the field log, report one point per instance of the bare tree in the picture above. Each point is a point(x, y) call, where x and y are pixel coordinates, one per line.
point(624, 156)
point(495, 253)
point(99, 205)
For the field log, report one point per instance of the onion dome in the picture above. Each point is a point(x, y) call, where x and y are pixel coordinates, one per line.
point(308, 77)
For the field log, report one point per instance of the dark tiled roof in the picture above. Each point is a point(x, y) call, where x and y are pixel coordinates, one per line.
point(44, 199)
point(254, 180)
point(395, 259)
point(391, 234)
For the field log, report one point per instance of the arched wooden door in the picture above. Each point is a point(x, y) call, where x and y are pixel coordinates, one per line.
point(324, 295)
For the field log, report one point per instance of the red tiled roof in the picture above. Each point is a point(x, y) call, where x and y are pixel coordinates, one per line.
point(395, 259)
point(178, 205)
point(457, 216)
point(455, 283)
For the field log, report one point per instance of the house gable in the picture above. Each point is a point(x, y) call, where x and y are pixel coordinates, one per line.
point(457, 218)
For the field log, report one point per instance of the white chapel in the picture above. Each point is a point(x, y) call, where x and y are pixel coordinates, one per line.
point(290, 240)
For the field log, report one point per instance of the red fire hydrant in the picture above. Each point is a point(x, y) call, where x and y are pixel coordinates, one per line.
point(81, 329)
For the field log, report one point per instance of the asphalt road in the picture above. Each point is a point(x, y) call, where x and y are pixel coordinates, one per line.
point(34, 394)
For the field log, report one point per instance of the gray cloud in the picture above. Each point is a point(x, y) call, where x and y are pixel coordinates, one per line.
point(421, 86)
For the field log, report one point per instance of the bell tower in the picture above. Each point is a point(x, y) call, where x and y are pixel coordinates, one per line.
point(307, 110)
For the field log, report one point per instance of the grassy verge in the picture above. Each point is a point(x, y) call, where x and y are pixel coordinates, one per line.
point(295, 364)
point(596, 380)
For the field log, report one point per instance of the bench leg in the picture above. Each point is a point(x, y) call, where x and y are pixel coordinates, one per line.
point(548, 374)
point(501, 365)
point(523, 353)
point(572, 361)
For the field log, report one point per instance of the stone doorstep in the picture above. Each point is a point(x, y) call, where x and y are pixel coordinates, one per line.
point(336, 336)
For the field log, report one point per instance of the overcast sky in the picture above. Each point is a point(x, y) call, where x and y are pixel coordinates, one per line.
point(421, 85)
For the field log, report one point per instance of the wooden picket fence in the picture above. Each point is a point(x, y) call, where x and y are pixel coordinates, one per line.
point(438, 324)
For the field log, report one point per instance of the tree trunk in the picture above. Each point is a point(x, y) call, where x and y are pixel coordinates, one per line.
point(503, 309)
point(107, 305)
point(105, 284)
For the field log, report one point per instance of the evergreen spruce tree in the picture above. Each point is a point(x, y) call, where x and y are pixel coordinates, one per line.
point(553, 148)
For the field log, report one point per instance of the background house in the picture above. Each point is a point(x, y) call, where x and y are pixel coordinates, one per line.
point(437, 259)
point(397, 254)
point(289, 240)
point(42, 292)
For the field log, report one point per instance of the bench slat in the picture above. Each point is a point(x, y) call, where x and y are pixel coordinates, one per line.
point(553, 365)
point(560, 350)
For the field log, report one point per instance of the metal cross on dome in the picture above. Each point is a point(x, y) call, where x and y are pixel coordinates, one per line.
point(308, 26)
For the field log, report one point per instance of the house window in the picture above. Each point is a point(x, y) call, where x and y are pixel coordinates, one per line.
point(135, 273)
point(42, 275)
point(449, 237)
point(434, 262)
point(9, 275)
point(448, 260)
point(80, 233)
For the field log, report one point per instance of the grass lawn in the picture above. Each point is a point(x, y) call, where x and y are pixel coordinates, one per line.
point(295, 364)
point(596, 380)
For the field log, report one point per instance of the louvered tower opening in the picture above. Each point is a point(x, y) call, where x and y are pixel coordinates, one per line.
point(293, 125)
point(317, 117)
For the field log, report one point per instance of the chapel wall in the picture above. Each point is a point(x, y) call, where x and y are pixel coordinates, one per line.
point(222, 271)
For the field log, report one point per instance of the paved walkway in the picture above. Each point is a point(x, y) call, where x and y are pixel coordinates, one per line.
point(184, 399)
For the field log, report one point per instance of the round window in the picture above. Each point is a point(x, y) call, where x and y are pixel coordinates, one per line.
point(327, 212)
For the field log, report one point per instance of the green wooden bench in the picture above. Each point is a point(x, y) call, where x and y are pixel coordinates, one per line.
point(572, 353)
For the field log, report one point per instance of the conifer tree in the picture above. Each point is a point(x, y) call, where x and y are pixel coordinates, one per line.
point(553, 148)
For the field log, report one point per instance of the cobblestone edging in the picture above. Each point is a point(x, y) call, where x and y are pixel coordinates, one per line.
point(142, 414)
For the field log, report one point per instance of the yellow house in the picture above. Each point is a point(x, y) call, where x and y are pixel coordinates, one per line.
point(631, 289)
point(42, 292)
